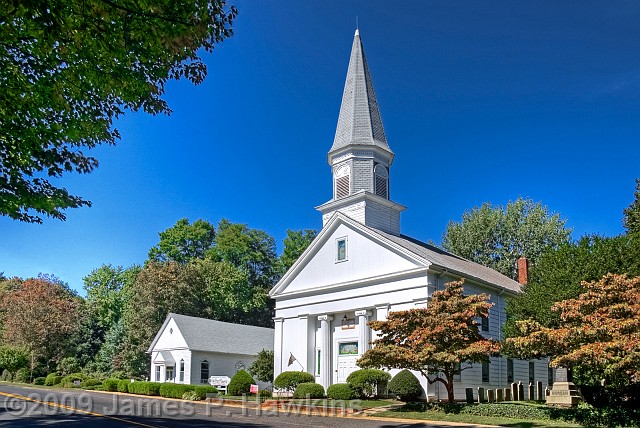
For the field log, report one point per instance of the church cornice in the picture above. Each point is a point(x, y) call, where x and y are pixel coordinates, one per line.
point(360, 151)
point(361, 196)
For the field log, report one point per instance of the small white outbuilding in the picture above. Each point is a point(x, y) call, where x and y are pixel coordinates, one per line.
point(190, 350)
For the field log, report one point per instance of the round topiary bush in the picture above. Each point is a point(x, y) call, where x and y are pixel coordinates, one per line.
point(406, 386)
point(52, 379)
point(201, 391)
point(6, 376)
point(69, 381)
point(341, 391)
point(290, 380)
point(39, 380)
point(90, 383)
point(123, 385)
point(368, 382)
point(240, 383)
point(309, 389)
point(110, 385)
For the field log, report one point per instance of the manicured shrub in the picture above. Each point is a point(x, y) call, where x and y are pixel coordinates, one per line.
point(240, 383)
point(110, 385)
point(52, 379)
point(22, 375)
point(69, 380)
point(174, 390)
point(123, 385)
point(6, 376)
point(290, 380)
point(368, 382)
point(144, 388)
point(90, 383)
point(191, 396)
point(39, 380)
point(341, 391)
point(309, 389)
point(406, 386)
point(201, 391)
point(69, 365)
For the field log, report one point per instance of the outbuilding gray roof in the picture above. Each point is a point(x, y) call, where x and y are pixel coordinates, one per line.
point(202, 334)
point(453, 263)
point(359, 121)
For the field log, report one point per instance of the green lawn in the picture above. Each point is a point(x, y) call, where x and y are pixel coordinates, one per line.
point(473, 419)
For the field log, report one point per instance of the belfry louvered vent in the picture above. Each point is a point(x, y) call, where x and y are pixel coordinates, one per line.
point(381, 186)
point(342, 187)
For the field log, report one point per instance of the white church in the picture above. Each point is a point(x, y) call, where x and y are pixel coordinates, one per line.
point(360, 267)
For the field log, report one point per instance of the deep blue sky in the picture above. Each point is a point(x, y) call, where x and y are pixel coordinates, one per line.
point(481, 101)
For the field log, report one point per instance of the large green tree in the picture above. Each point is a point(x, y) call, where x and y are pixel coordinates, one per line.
point(497, 236)
point(558, 274)
point(68, 68)
point(435, 340)
point(107, 292)
point(295, 243)
point(631, 218)
point(183, 242)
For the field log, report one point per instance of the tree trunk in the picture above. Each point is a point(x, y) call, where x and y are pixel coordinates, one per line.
point(450, 395)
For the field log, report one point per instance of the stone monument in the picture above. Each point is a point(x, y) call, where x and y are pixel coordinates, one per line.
point(563, 393)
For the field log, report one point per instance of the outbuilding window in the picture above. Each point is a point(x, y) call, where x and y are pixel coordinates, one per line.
point(204, 371)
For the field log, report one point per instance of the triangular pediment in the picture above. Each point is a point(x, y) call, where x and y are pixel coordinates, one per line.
point(369, 257)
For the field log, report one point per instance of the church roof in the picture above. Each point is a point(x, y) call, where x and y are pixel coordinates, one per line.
point(450, 261)
point(203, 334)
point(359, 121)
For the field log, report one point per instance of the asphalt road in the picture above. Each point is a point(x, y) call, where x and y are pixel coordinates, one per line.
point(34, 407)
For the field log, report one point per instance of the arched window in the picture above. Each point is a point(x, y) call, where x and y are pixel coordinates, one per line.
point(342, 186)
point(381, 181)
point(204, 371)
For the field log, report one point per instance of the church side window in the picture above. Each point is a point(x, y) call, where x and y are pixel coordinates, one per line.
point(485, 371)
point(157, 373)
point(204, 371)
point(342, 183)
point(181, 370)
point(341, 249)
point(381, 181)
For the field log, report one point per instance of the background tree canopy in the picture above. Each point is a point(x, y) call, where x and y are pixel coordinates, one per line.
point(69, 68)
point(496, 236)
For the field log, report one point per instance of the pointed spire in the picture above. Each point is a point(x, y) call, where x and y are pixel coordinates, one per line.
point(359, 121)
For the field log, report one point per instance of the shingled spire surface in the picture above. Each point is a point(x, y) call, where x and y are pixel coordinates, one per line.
point(359, 122)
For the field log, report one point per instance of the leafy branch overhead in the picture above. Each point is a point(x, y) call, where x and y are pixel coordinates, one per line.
point(69, 68)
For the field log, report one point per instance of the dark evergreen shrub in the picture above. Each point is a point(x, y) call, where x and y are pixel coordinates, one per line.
point(201, 391)
point(406, 386)
point(39, 380)
point(123, 385)
point(52, 379)
point(341, 391)
point(144, 388)
point(309, 389)
point(240, 383)
point(290, 380)
point(22, 375)
point(110, 385)
point(174, 390)
point(368, 382)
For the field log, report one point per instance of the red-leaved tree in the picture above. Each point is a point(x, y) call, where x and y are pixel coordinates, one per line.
point(435, 340)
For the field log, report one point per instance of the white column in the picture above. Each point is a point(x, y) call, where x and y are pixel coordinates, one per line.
point(277, 347)
point(363, 330)
point(303, 332)
point(325, 350)
point(382, 311)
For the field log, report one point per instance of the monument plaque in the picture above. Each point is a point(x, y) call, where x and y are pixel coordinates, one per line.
point(563, 393)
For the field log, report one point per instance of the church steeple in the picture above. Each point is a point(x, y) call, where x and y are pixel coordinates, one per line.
point(360, 156)
point(359, 121)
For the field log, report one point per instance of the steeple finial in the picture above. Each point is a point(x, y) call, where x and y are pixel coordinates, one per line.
point(357, 27)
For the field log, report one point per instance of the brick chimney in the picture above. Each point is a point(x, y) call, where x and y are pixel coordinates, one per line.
point(523, 270)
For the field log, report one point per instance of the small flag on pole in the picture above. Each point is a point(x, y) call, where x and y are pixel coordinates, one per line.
point(292, 359)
